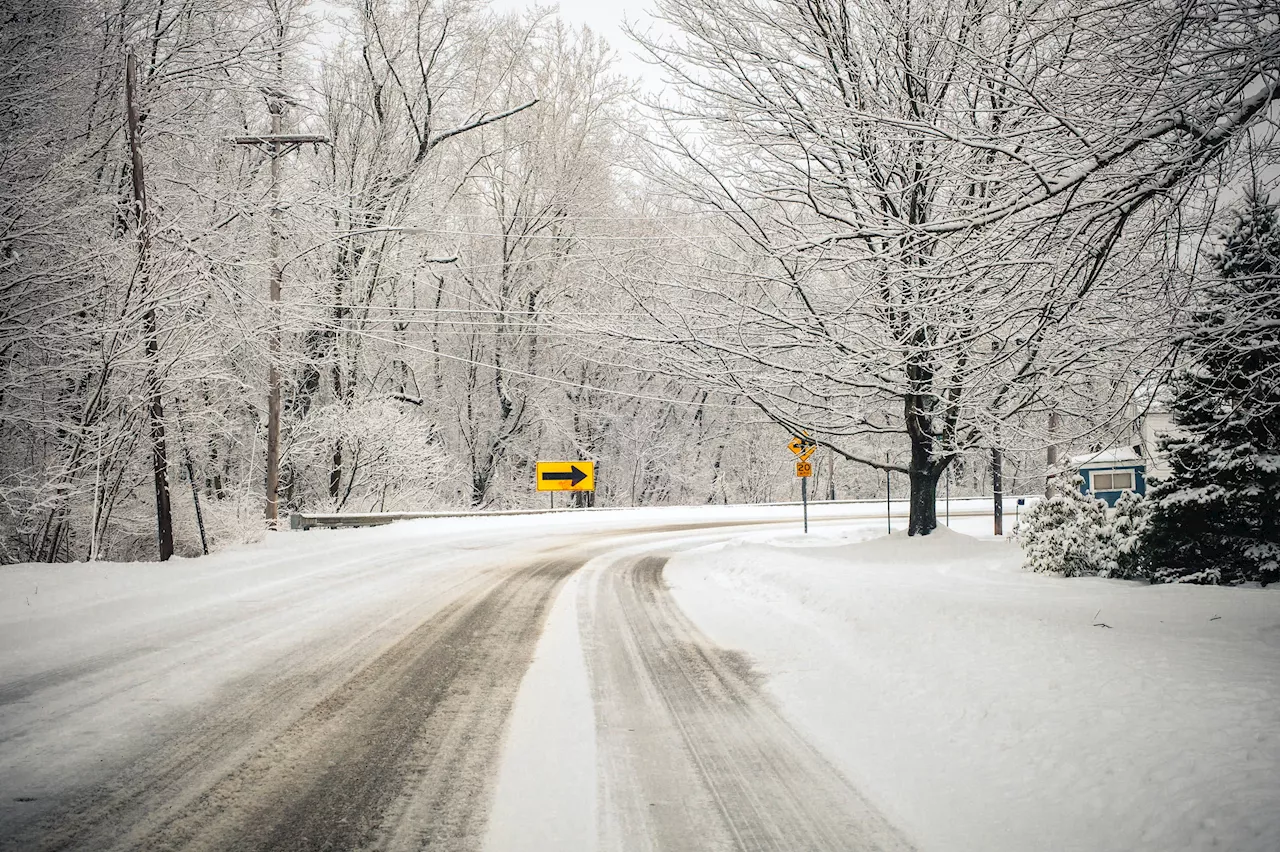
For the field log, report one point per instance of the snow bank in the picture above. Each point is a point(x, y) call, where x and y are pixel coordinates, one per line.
point(990, 709)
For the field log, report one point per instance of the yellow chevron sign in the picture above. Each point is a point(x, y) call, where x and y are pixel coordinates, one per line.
point(802, 447)
point(566, 476)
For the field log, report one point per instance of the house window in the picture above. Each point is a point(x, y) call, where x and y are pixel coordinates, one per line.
point(1111, 480)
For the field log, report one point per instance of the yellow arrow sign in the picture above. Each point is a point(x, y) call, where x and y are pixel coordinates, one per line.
point(566, 476)
point(808, 451)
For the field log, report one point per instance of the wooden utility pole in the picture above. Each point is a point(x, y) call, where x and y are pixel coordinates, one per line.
point(831, 476)
point(276, 144)
point(155, 402)
point(1051, 453)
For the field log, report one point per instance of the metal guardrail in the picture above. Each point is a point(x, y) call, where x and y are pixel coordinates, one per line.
point(335, 520)
point(307, 520)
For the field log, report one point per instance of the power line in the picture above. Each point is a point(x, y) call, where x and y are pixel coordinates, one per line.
point(574, 236)
point(536, 377)
point(575, 218)
point(547, 315)
point(510, 370)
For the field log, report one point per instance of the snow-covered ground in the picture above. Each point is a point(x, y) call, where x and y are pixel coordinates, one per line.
point(95, 657)
point(977, 706)
point(47, 606)
point(985, 708)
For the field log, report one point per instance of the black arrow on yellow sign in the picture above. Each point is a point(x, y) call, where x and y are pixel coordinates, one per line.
point(573, 474)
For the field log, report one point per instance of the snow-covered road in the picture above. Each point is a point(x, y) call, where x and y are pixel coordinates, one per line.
point(318, 697)
point(343, 690)
point(674, 679)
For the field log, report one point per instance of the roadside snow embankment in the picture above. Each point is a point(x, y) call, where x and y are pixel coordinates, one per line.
point(993, 710)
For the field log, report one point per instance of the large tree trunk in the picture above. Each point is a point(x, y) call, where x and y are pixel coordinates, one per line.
point(335, 473)
point(924, 475)
point(926, 433)
point(997, 488)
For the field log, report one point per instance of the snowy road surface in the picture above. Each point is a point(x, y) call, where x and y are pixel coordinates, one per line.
point(655, 680)
point(349, 690)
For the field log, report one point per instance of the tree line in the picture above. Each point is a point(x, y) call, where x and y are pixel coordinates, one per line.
point(935, 235)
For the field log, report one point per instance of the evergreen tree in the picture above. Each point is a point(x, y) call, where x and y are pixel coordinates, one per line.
point(1215, 518)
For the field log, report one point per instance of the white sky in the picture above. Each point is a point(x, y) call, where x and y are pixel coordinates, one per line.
point(605, 17)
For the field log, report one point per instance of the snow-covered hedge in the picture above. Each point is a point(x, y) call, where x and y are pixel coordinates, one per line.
point(1074, 534)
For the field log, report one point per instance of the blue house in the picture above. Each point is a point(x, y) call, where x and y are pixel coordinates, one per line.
point(1109, 473)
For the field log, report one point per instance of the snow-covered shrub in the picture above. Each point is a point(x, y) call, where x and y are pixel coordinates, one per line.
point(1065, 533)
point(1076, 535)
point(391, 458)
point(1127, 522)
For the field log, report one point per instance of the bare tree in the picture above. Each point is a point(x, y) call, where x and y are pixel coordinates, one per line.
point(155, 400)
point(939, 217)
point(415, 78)
point(95, 349)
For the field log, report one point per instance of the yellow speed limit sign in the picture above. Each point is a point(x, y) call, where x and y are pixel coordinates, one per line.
point(804, 468)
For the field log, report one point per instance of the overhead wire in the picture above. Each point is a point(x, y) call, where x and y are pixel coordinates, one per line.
point(569, 217)
point(535, 376)
point(588, 337)
point(325, 323)
point(453, 232)
point(541, 329)
point(550, 315)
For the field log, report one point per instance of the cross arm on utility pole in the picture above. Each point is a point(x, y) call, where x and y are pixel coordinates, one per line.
point(281, 143)
point(285, 138)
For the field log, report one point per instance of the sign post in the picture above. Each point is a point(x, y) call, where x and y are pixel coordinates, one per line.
point(948, 495)
point(804, 470)
point(888, 485)
point(804, 498)
point(803, 447)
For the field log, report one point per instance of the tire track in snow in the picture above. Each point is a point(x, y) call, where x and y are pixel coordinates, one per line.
point(693, 755)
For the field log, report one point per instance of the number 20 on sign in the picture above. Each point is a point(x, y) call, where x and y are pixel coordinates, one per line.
point(804, 468)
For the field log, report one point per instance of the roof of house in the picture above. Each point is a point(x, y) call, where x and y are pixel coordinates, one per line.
point(1112, 456)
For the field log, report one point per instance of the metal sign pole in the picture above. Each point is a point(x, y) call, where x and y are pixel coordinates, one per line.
point(888, 517)
point(804, 498)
